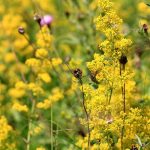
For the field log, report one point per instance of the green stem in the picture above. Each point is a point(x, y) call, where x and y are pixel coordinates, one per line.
point(29, 125)
point(87, 115)
point(51, 129)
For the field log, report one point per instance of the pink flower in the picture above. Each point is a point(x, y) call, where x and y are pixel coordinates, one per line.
point(46, 20)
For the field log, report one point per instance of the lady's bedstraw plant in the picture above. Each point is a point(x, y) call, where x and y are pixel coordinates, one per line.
point(108, 105)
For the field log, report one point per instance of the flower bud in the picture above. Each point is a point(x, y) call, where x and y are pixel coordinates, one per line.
point(145, 28)
point(123, 59)
point(46, 20)
point(37, 18)
point(77, 73)
point(67, 59)
point(67, 13)
point(21, 30)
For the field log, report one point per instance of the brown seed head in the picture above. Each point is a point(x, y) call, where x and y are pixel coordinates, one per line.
point(123, 59)
point(77, 73)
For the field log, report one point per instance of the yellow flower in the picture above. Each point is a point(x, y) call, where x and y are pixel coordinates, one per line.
point(5, 129)
point(56, 95)
point(37, 129)
point(20, 85)
point(9, 57)
point(36, 89)
point(45, 77)
point(16, 93)
point(40, 148)
point(41, 53)
point(45, 39)
point(142, 7)
point(20, 107)
point(33, 62)
point(56, 61)
point(45, 104)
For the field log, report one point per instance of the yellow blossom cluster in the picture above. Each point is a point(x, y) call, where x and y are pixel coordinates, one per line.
point(109, 103)
point(5, 133)
point(56, 73)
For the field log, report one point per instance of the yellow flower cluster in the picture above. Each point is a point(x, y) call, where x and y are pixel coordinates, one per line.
point(45, 39)
point(108, 110)
point(41, 53)
point(56, 95)
point(5, 129)
point(20, 107)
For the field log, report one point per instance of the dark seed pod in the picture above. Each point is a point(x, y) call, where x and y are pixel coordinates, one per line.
point(67, 13)
point(21, 30)
point(145, 28)
point(123, 59)
point(67, 59)
point(134, 147)
point(37, 18)
point(93, 77)
point(77, 73)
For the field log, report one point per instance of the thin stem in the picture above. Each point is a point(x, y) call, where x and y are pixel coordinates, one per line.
point(124, 106)
point(31, 44)
point(86, 113)
point(32, 108)
point(51, 129)
point(110, 96)
point(29, 125)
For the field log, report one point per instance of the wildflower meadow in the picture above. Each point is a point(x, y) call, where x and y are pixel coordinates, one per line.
point(74, 75)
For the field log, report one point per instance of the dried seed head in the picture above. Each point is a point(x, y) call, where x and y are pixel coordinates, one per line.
point(93, 77)
point(77, 73)
point(139, 51)
point(145, 28)
point(123, 59)
point(21, 30)
point(67, 59)
point(67, 13)
point(134, 147)
point(37, 18)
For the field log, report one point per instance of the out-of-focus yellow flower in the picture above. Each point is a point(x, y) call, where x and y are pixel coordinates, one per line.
point(9, 57)
point(5, 128)
point(2, 67)
point(104, 146)
point(142, 7)
point(10, 23)
point(40, 148)
point(143, 21)
point(20, 85)
point(56, 61)
point(56, 95)
point(44, 105)
point(45, 77)
point(45, 39)
point(20, 107)
point(20, 43)
point(33, 62)
point(16, 93)
point(41, 53)
point(37, 129)
point(36, 89)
